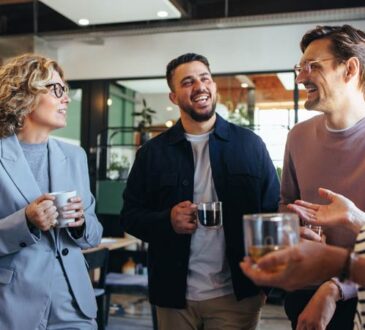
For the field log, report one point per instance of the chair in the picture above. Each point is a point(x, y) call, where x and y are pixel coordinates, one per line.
point(98, 259)
point(127, 283)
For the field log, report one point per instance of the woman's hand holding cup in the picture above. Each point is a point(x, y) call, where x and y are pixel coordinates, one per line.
point(42, 213)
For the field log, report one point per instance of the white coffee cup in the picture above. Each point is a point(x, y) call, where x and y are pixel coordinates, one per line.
point(62, 198)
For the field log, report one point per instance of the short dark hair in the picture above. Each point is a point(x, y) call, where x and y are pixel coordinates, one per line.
point(182, 59)
point(346, 42)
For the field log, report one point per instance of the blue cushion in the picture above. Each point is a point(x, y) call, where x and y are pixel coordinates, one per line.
point(126, 279)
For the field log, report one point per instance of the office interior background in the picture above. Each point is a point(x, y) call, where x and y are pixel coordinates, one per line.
point(115, 65)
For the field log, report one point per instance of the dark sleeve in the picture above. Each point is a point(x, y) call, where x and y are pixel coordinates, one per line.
point(139, 215)
point(270, 188)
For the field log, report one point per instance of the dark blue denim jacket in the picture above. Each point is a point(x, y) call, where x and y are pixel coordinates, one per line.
point(163, 175)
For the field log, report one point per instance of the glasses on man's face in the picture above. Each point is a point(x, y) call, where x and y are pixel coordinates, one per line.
point(58, 90)
point(309, 66)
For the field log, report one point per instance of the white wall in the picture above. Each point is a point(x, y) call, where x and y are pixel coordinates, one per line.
point(249, 49)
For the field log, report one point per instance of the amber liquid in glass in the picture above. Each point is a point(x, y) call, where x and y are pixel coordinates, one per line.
point(258, 251)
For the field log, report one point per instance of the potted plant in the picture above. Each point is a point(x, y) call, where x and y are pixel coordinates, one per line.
point(118, 167)
point(239, 116)
point(146, 115)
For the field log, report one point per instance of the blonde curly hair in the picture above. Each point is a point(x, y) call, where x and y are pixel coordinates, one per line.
point(22, 80)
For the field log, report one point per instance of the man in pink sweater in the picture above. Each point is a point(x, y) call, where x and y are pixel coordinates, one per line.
point(328, 151)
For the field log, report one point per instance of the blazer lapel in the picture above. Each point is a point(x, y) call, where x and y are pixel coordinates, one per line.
point(15, 164)
point(59, 167)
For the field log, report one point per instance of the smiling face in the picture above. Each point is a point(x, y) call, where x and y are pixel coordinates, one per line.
point(50, 112)
point(194, 91)
point(325, 83)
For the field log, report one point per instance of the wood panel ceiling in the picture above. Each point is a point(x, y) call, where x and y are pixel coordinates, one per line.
point(269, 91)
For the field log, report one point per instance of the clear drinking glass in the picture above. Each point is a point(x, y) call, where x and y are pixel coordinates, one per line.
point(210, 215)
point(317, 229)
point(268, 232)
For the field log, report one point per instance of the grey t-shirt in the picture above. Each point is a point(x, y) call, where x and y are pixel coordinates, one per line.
point(209, 275)
point(37, 158)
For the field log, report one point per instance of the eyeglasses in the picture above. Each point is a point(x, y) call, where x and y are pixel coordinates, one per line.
point(309, 66)
point(58, 90)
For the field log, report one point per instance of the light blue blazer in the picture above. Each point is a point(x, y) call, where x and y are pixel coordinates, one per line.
point(27, 260)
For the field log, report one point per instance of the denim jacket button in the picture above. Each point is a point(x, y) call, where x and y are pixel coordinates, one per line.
point(185, 182)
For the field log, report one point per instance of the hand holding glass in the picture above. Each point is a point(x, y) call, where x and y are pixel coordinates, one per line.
point(268, 232)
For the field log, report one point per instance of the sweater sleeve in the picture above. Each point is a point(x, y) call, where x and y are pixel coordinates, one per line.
point(348, 289)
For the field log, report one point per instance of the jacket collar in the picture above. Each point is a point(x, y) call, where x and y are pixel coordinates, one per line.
point(59, 172)
point(16, 165)
point(221, 130)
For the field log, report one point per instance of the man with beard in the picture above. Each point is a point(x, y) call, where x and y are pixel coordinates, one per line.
point(328, 151)
point(194, 275)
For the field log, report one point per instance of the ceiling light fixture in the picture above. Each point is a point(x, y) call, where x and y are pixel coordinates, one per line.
point(84, 21)
point(244, 85)
point(162, 14)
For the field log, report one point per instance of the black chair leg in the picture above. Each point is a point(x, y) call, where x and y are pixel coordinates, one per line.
point(100, 316)
point(107, 307)
point(154, 317)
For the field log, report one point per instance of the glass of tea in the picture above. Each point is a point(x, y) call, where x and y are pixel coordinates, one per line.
point(317, 229)
point(268, 232)
point(210, 215)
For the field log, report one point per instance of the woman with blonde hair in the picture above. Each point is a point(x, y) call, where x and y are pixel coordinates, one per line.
point(44, 282)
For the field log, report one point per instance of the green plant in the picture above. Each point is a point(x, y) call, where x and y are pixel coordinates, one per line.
point(239, 116)
point(279, 171)
point(146, 115)
point(117, 163)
